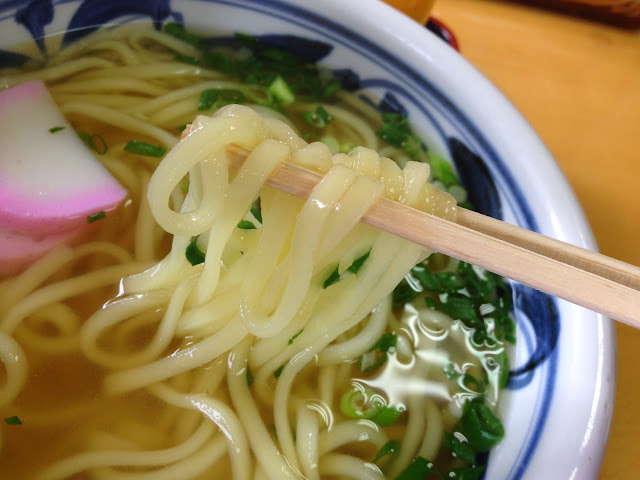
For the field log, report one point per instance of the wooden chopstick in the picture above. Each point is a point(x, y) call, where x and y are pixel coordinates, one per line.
point(583, 277)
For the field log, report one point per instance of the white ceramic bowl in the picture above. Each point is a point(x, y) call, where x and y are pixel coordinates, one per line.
point(558, 405)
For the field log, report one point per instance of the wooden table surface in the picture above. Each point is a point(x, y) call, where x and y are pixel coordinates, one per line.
point(578, 84)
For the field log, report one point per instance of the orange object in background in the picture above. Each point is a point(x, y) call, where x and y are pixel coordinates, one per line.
point(419, 10)
point(623, 13)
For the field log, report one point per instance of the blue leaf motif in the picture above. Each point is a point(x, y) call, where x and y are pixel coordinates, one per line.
point(541, 312)
point(310, 50)
point(476, 178)
point(391, 104)
point(12, 59)
point(349, 79)
point(34, 16)
point(93, 13)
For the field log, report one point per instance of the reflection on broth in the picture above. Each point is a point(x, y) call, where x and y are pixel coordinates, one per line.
point(225, 329)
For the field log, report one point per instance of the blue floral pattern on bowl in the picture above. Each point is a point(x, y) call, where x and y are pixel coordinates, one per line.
point(482, 170)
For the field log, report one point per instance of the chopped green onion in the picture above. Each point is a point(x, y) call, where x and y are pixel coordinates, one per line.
point(502, 364)
point(441, 170)
point(56, 129)
point(386, 342)
point(249, 377)
point(193, 253)
point(319, 118)
point(257, 213)
point(450, 371)
point(358, 262)
point(419, 468)
point(13, 420)
point(278, 371)
point(181, 128)
point(425, 277)
point(355, 267)
point(466, 473)
point(187, 59)
point(480, 426)
point(331, 142)
point(219, 61)
point(280, 92)
point(403, 293)
point(295, 336)
point(246, 225)
point(146, 149)
point(331, 279)
point(331, 89)
point(245, 39)
point(96, 216)
point(360, 402)
point(431, 303)
point(377, 355)
point(460, 449)
point(309, 136)
point(94, 142)
point(392, 447)
point(396, 130)
point(214, 98)
point(363, 403)
point(387, 416)
point(449, 281)
point(178, 31)
point(184, 184)
point(459, 307)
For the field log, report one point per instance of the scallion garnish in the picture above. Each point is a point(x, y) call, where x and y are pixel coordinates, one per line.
point(480, 426)
point(334, 277)
point(214, 98)
point(278, 371)
point(319, 118)
point(184, 184)
point(355, 267)
point(392, 447)
point(94, 142)
point(460, 447)
point(246, 225)
point(280, 93)
point(219, 61)
point(418, 469)
point(249, 377)
point(256, 212)
point(466, 473)
point(56, 129)
point(14, 420)
point(295, 336)
point(178, 31)
point(377, 355)
point(187, 59)
point(388, 416)
point(96, 216)
point(193, 253)
point(363, 403)
point(146, 149)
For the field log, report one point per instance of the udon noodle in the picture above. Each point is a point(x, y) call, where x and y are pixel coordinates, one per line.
point(125, 359)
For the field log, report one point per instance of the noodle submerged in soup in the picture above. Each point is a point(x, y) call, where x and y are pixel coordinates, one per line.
point(224, 329)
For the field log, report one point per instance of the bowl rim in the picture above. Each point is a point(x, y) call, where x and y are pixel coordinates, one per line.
point(398, 33)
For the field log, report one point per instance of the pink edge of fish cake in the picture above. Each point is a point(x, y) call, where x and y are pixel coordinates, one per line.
point(44, 215)
point(17, 251)
point(49, 182)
